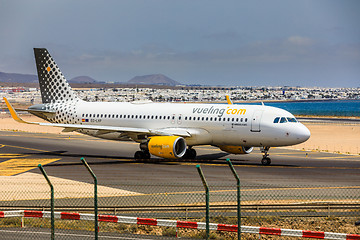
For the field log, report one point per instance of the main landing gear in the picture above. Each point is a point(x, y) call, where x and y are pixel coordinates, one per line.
point(143, 154)
point(266, 159)
point(190, 153)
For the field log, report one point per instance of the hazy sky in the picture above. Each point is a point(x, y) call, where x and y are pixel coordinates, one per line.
point(245, 43)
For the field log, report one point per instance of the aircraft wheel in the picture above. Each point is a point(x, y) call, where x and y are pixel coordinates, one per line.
point(138, 155)
point(192, 153)
point(266, 161)
point(189, 154)
point(142, 155)
point(146, 155)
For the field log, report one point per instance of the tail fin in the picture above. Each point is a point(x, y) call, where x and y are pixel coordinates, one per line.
point(53, 85)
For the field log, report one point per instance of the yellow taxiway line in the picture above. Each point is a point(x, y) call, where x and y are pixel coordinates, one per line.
point(34, 149)
point(20, 165)
point(12, 155)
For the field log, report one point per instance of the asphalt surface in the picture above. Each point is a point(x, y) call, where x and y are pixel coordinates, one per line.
point(294, 173)
point(113, 161)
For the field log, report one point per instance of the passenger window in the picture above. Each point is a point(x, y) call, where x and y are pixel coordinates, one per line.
point(245, 119)
point(215, 119)
point(120, 116)
point(86, 115)
point(211, 119)
point(207, 118)
point(198, 118)
point(232, 119)
point(173, 117)
point(189, 118)
point(97, 115)
point(185, 118)
point(159, 117)
point(101, 115)
point(156, 117)
point(83, 115)
point(283, 120)
point(228, 119)
point(276, 120)
point(105, 116)
point(152, 117)
point(241, 119)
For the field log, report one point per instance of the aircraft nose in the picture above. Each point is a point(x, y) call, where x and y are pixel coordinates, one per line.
point(302, 133)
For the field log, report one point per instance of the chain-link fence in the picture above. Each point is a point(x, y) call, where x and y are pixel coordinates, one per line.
point(170, 210)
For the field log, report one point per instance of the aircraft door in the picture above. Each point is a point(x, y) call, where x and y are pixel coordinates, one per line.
point(255, 121)
point(179, 119)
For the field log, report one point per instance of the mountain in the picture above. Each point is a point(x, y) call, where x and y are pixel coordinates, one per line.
point(154, 79)
point(30, 78)
point(83, 79)
point(18, 78)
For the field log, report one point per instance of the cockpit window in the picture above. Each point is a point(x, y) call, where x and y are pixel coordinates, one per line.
point(276, 120)
point(292, 120)
point(283, 120)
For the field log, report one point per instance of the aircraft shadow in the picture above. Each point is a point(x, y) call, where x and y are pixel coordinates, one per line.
point(92, 159)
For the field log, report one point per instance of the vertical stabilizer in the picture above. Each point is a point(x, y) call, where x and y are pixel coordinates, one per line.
point(53, 85)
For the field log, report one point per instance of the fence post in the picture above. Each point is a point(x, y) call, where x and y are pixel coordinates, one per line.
point(238, 197)
point(206, 199)
point(51, 202)
point(95, 197)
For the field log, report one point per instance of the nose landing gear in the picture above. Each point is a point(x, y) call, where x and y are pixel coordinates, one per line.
point(266, 159)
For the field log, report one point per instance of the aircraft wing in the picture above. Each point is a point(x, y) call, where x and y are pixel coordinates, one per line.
point(73, 127)
point(228, 100)
point(102, 128)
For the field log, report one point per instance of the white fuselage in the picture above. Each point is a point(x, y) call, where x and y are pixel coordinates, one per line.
point(213, 124)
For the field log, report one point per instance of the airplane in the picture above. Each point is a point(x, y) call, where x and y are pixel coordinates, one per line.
point(166, 130)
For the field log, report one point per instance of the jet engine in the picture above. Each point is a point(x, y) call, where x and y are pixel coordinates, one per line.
point(236, 149)
point(172, 147)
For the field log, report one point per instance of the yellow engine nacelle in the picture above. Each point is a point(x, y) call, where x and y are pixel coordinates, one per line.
point(236, 149)
point(172, 147)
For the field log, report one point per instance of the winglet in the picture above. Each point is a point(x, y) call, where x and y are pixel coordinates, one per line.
point(228, 99)
point(13, 113)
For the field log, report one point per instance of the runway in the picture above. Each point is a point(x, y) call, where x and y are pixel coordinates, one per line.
point(291, 176)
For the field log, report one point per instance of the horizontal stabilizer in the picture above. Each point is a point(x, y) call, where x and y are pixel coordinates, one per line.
point(13, 113)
